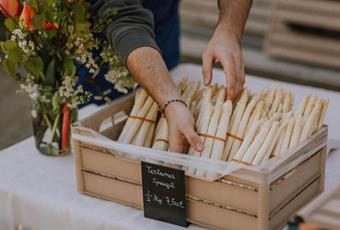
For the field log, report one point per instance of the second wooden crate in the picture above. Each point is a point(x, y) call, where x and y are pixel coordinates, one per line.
point(306, 31)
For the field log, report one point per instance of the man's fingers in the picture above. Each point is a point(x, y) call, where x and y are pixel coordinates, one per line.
point(207, 64)
point(229, 70)
point(193, 139)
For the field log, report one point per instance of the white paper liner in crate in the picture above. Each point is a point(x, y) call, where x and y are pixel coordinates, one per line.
point(216, 169)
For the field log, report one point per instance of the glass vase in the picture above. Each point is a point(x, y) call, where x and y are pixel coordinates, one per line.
point(52, 125)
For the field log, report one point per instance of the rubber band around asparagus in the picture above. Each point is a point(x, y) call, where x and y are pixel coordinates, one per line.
point(202, 128)
point(242, 127)
point(136, 123)
point(212, 128)
point(146, 127)
point(235, 122)
point(247, 141)
point(139, 100)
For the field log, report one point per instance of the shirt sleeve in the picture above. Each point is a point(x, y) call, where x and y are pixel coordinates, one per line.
point(131, 27)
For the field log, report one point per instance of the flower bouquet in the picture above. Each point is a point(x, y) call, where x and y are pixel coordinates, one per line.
point(47, 41)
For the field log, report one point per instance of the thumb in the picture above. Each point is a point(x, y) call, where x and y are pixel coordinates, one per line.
point(193, 139)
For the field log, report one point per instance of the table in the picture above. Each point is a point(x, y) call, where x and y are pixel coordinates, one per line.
point(40, 192)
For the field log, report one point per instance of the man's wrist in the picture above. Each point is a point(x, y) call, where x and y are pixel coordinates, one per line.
point(228, 31)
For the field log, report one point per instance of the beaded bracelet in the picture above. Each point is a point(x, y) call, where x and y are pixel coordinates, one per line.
point(171, 101)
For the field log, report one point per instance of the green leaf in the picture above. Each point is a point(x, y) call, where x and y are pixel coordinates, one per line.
point(15, 55)
point(10, 24)
point(69, 67)
point(35, 5)
point(9, 44)
point(79, 12)
point(10, 67)
point(38, 21)
point(82, 27)
point(50, 73)
point(35, 66)
point(56, 102)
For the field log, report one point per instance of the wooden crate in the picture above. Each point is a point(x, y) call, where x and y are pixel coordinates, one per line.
point(324, 212)
point(305, 30)
point(245, 199)
point(204, 14)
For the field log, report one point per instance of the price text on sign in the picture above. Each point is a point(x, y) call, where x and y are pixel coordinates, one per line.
point(164, 193)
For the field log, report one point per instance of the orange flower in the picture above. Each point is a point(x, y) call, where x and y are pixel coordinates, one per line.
point(10, 8)
point(51, 26)
point(26, 17)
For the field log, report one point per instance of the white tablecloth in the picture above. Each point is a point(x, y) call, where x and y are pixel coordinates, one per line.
point(40, 192)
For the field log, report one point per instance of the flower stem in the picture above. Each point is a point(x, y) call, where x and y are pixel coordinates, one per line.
point(55, 125)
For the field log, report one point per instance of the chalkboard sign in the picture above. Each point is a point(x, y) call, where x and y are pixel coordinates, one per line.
point(164, 194)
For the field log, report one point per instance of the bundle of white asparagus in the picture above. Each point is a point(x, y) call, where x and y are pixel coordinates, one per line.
point(257, 127)
point(140, 125)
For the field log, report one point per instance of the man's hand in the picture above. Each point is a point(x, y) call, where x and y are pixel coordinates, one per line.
point(181, 129)
point(148, 68)
point(225, 48)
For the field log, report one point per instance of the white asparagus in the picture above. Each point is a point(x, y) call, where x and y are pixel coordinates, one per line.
point(190, 95)
point(292, 101)
point(269, 99)
point(141, 134)
point(149, 135)
point(257, 142)
point(310, 106)
point(207, 112)
point(182, 84)
point(287, 115)
point(235, 122)
point(222, 129)
point(161, 137)
point(136, 123)
point(255, 115)
point(263, 152)
point(302, 105)
point(287, 102)
point(139, 100)
point(272, 145)
point(283, 130)
point(209, 142)
point(288, 135)
point(277, 101)
point(218, 147)
point(324, 108)
point(206, 98)
point(264, 93)
point(247, 141)
point(242, 127)
point(279, 109)
point(296, 132)
point(221, 95)
point(276, 117)
point(311, 123)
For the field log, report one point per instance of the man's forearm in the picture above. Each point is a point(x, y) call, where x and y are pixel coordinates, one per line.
point(233, 16)
point(149, 70)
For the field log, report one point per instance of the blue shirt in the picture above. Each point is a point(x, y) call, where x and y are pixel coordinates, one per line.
point(167, 31)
